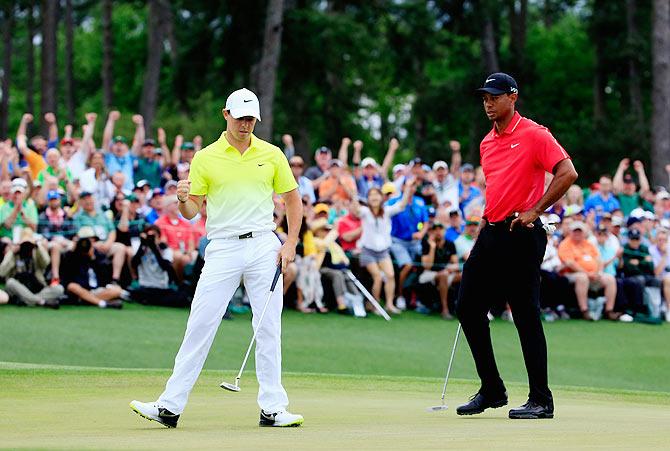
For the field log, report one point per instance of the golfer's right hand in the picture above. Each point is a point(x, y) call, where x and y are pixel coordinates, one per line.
point(183, 189)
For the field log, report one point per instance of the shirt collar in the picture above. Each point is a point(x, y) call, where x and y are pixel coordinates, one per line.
point(513, 124)
point(227, 146)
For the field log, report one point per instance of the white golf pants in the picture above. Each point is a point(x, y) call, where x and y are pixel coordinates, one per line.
point(227, 261)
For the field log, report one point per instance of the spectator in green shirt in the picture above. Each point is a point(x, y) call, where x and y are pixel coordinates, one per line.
point(19, 211)
point(56, 168)
point(105, 232)
point(626, 189)
point(148, 165)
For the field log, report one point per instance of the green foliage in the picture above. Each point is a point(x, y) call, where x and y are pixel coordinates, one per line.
point(371, 71)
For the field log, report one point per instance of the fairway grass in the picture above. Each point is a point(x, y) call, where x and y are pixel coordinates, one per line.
point(43, 407)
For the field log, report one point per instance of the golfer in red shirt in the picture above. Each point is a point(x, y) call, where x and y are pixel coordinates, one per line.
point(505, 261)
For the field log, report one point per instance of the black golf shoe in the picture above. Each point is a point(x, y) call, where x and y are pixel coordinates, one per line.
point(532, 411)
point(479, 403)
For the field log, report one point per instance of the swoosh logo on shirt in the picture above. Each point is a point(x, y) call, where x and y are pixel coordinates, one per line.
point(260, 164)
point(247, 101)
point(514, 145)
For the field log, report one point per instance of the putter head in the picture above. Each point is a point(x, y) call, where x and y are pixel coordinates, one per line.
point(437, 408)
point(230, 387)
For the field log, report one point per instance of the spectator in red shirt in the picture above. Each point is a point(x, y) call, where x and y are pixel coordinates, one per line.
point(349, 230)
point(177, 232)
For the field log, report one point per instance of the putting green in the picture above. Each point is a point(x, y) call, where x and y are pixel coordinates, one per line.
point(61, 407)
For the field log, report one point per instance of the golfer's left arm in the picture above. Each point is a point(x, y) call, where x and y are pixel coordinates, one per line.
point(564, 176)
point(293, 204)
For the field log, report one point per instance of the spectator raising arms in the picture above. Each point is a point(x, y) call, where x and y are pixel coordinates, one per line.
point(375, 241)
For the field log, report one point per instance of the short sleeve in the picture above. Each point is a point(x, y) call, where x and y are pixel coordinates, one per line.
point(283, 179)
point(548, 151)
point(197, 177)
point(31, 212)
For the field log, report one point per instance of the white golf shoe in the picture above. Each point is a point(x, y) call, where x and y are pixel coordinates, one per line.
point(154, 412)
point(280, 419)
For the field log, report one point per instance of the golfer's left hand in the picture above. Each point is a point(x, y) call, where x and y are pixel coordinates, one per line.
point(525, 219)
point(286, 254)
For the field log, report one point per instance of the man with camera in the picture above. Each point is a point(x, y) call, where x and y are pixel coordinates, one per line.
point(153, 264)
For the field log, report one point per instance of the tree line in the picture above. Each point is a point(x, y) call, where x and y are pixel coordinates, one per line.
point(597, 72)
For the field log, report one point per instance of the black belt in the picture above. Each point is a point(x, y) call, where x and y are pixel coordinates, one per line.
point(505, 222)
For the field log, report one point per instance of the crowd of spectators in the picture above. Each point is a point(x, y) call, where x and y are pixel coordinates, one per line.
point(97, 223)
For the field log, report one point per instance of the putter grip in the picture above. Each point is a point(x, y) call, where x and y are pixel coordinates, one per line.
point(276, 278)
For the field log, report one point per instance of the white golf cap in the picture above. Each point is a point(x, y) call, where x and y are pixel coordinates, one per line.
point(243, 103)
point(368, 161)
point(440, 164)
point(398, 167)
point(19, 184)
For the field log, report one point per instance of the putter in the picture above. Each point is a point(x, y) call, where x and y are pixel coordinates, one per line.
point(236, 386)
point(367, 295)
point(443, 406)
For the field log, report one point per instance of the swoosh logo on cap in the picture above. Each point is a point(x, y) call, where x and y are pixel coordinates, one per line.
point(514, 145)
point(250, 100)
point(489, 79)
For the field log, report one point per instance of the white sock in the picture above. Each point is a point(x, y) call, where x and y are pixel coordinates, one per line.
point(102, 304)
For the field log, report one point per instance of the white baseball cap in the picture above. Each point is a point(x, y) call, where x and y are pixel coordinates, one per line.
point(440, 164)
point(19, 184)
point(368, 161)
point(398, 167)
point(243, 103)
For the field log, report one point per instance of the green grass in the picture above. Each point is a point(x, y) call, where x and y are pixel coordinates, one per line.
point(604, 354)
point(361, 384)
point(66, 408)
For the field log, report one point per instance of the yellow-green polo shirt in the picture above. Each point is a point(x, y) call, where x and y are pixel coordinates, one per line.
point(239, 188)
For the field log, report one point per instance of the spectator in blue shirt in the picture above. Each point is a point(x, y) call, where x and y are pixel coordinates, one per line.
point(456, 226)
point(369, 178)
point(466, 191)
point(603, 201)
point(407, 230)
point(305, 187)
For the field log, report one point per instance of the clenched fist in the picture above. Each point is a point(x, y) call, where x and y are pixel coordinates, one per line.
point(183, 189)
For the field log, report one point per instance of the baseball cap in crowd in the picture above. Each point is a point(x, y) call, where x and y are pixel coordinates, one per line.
point(440, 165)
point(472, 220)
point(417, 161)
point(336, 162)
point(158, 192)
point(499, 83)
point(617, 221)
point(431, 211)
point(426, 167)
point(368, 161)
point(628, 179)
point(601, 229)
point(19, 184)
point(321, 223)
point(85, 194)
point(119, 139)
point(149, 142)
point(188, 145)
point(634, 234)
point(243, 103)
point(398, 167)
point(141, 184)
point(170, 184)
point(131, 197)
point(662, 195)
point(631, 220)
point(321, 208)
point(436, 225)
point(637, 213)
point(322, 149)
point(454, 212)
point(86, 232)
point(53, 194)
point(572, 210)
point(182, 167)
point(65, 141)
point(578, 225)
point(467, 167)
point(388, 188)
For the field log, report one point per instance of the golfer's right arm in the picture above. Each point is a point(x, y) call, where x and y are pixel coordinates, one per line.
point(189, 204)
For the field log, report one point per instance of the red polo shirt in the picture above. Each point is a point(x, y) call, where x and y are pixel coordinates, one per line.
point(514, 164)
